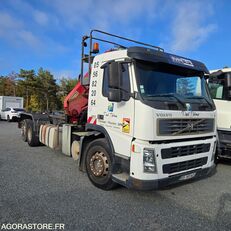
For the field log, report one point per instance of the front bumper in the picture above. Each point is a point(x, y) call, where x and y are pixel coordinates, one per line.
point(161, 183)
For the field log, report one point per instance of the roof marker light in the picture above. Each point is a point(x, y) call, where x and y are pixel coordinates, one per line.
point(95, 48)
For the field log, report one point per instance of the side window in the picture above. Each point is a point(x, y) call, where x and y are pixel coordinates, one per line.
point(125, 82)
point(105, 81)
point(216, 90)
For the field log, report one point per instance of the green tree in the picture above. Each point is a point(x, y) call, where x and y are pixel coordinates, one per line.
point(34, 103)
point(2, 85)
point(39, 90)
point(47, 90)
point(7, 84)
point(65, 87)
point(26, 85)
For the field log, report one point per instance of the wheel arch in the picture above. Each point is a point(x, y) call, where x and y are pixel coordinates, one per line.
point(101, 129)
point(98, 132)
point(36, 119)
point(24, 116)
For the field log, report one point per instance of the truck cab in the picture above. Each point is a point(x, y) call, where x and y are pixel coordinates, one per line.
point(155, 110)
point(220, 88)
point(140, 117)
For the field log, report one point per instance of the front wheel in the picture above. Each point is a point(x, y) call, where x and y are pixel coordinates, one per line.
point(99, 162)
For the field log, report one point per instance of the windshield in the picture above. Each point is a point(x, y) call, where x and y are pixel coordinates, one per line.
point(164, 88)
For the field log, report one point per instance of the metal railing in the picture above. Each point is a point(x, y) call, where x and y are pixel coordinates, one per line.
point(89, 57)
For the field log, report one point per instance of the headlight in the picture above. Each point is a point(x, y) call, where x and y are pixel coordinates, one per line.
point(149, 160)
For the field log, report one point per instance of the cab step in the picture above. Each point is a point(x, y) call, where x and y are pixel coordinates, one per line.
point(121, 178)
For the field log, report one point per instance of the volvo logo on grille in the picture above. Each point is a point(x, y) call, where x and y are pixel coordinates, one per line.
point(190, 126)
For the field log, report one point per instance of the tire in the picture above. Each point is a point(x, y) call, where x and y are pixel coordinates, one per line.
point(99, 162)
point(24, 130)
point(8, 118)
point(216, 156)
point(31, 137)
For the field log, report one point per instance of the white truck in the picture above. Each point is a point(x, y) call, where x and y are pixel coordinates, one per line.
point(10, 107)
point(10, 102)
point(149, 120)
point(220, 88)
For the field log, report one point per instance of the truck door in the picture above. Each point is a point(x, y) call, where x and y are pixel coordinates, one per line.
point(116, 117)
point(219, 92)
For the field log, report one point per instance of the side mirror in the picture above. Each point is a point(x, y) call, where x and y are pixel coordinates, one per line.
point(115, 75)
point(114, 95)
point(114, 82)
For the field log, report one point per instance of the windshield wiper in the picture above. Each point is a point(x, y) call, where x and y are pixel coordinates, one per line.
point(201, 97)
point(170, 95)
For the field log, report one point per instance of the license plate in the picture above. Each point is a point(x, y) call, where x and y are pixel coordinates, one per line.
point(188, 176)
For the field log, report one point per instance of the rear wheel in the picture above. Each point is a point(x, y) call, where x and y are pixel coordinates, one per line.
point(24, 130)
point(99, 162)
point(31, 137)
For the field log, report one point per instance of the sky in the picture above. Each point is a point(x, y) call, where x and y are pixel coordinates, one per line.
point(48, 33)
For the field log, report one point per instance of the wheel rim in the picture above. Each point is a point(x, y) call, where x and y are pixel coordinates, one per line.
point(29, 134)
point(99, 164)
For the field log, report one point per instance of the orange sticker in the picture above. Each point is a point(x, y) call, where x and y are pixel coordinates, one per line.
point(126, 125)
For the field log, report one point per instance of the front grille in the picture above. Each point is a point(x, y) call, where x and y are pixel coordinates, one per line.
point(224, 136)
point(184, 150)
point(185, 165)
point(179, 127)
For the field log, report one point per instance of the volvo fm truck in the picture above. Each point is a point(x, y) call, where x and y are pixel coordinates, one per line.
point(139, 117)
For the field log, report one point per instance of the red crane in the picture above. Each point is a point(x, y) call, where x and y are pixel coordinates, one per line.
point(76, 102)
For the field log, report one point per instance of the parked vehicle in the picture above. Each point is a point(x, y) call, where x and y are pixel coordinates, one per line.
point(11, 114)
point(10, 102)
point(220, 89)
point(140, 117)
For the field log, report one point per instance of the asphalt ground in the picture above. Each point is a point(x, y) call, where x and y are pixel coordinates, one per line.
point(39, 185)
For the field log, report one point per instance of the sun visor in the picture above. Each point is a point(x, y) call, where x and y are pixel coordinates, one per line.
point(151, 55)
